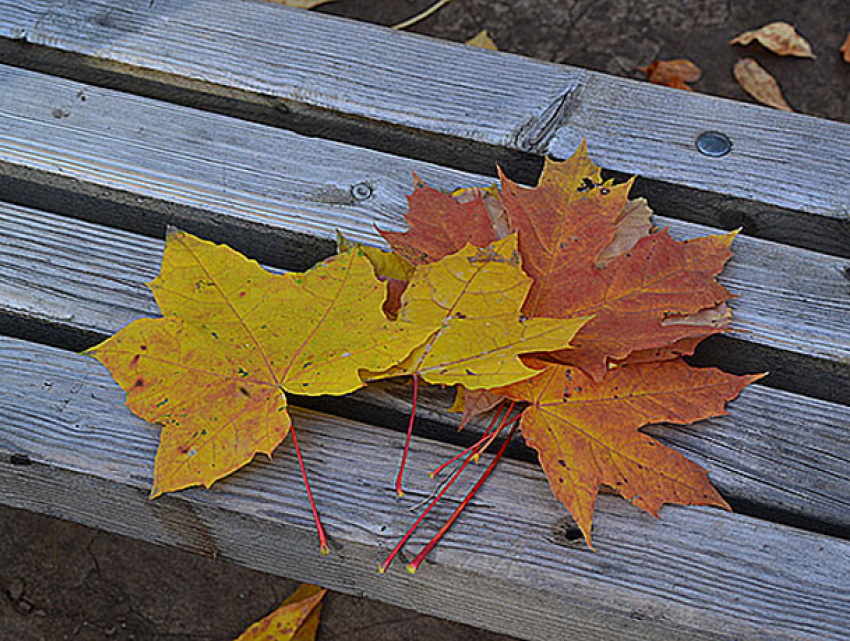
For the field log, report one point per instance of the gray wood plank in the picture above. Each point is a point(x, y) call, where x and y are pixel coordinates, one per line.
point(307, 63)
point(696, 573)
point(86, 277)
point(18, 18)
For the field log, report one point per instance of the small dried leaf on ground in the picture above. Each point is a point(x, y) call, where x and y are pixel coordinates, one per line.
point(758, 82)
point(779, 37)
point(297, 618)
point(845, 49)
point(672, 73)
point(483, 40)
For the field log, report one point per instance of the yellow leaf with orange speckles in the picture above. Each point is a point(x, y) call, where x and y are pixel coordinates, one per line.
point(297, 618)
point(213, 372)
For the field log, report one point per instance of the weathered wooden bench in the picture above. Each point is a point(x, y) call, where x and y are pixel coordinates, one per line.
point(268, 129)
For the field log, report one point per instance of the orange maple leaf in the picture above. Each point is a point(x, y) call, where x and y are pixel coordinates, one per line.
point(586, 432)
point(642, 299)
point(213, 372)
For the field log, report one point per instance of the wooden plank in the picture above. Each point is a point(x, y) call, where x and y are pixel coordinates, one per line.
point(784, 178)
point(88, 278)
point(203, 170)
point(707, 574)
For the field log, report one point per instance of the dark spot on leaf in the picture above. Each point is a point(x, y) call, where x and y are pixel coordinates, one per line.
point(586, 185)
point(244, 391)
point(135, 360)
point(562, 463)
point(144, 348)
point(242, 373)
point(460, 315)
point(604, 191)
point(139, 382)
point(469, 372)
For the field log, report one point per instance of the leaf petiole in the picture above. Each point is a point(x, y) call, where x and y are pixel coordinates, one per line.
point(398, 488)
point(434, 473)
point(386, 564)
point(324, 550)
point(413, 566)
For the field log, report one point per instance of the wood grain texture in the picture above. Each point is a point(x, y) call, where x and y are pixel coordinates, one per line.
point(706, 574)
point(780, 163)
point(87, 277)
point(199, 170)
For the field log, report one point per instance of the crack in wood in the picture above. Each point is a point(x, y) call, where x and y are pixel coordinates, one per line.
point(536, 134)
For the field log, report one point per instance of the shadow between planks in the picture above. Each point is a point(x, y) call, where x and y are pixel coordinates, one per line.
point(69, 448)
point(324, 76)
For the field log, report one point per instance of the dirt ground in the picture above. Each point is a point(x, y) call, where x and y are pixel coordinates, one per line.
point(59, 580)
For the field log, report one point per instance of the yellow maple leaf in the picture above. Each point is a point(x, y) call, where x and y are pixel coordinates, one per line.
point(474, 297)
point(213, 372)
point(297, 618)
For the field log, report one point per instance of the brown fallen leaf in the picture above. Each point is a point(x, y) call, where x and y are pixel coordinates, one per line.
point(672, 73)
point(301, 4)
point(483, 40)
point(757, 82)
point(845, 49)
point(779, 37)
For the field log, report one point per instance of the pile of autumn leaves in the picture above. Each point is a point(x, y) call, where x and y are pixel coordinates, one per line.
point(561, 297)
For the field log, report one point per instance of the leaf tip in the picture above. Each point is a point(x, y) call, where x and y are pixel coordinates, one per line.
point(411, 568)
point(324, 550)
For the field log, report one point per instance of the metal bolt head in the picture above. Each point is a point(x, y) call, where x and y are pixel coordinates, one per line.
point(714, 144)
point(361, 191)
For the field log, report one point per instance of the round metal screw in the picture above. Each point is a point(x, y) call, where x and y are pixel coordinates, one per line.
point(361, 191)
point(714, 144)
